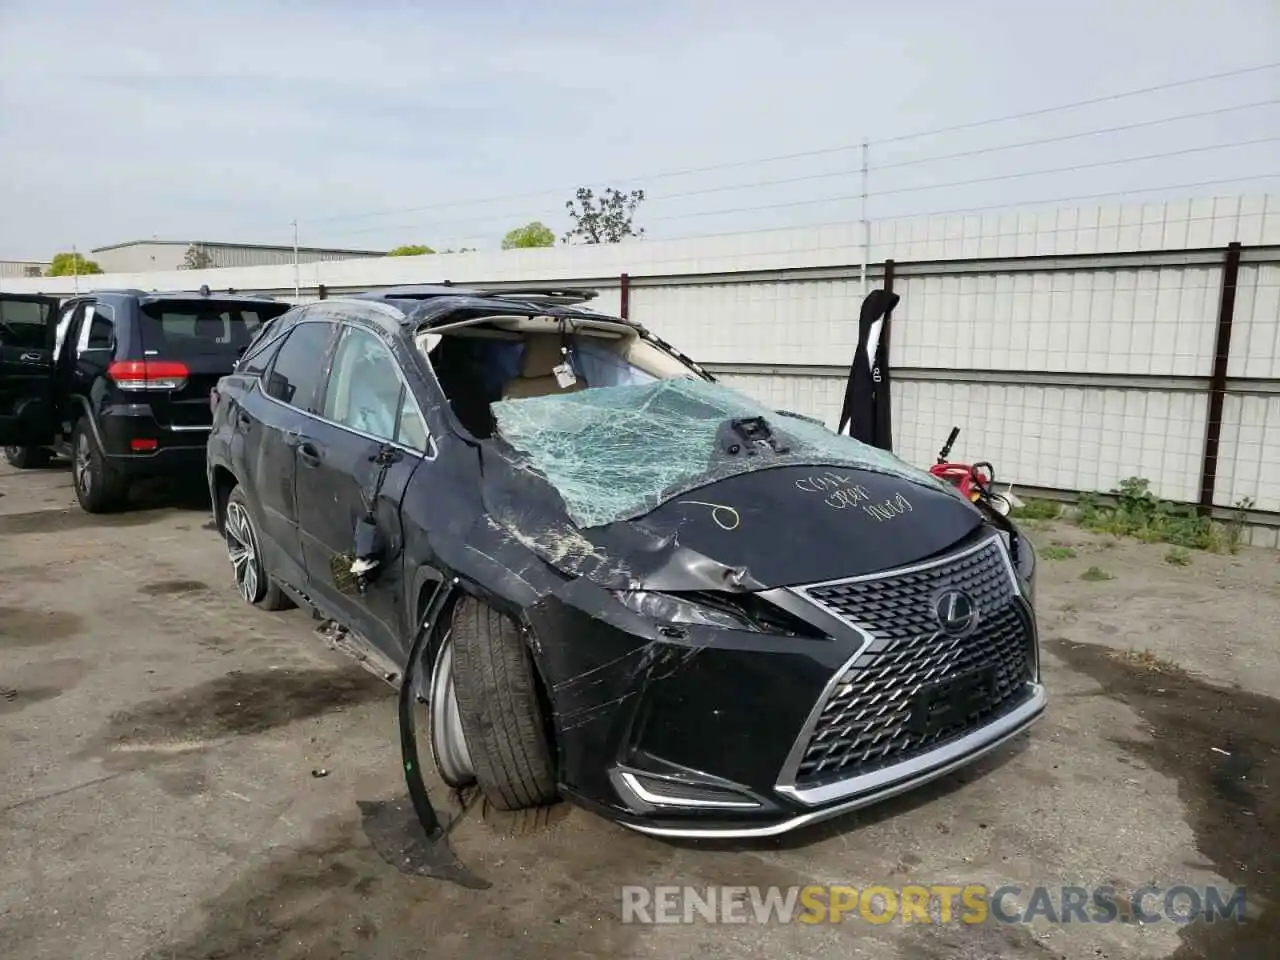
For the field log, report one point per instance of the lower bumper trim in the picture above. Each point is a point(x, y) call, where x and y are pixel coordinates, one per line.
point(1027, 715)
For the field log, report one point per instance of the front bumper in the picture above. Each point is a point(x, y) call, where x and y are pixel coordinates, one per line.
point(704, 732)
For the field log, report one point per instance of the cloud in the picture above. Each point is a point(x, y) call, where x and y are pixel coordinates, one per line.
point(228, 120)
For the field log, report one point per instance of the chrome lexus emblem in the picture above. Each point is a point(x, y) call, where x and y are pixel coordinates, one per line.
point(957, 612)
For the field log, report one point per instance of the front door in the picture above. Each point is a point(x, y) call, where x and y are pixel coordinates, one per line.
point(355, 463)
point(27, 335)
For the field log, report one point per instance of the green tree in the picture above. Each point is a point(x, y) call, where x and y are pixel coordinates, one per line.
point(410, 250)
point(604, 219)
point(196, 258)
point(534, 234)
point(71, 264)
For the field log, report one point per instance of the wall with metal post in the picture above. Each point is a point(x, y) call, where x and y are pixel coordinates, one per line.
point(1073, 347)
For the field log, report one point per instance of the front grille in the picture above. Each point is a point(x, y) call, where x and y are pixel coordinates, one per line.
point(866, 723)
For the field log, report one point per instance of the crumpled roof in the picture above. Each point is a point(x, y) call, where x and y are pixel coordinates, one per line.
point(615, 453)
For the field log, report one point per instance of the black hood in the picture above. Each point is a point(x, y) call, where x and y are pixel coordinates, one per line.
point(769, 528)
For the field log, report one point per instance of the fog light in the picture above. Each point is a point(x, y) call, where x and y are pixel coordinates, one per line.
point(665, 792)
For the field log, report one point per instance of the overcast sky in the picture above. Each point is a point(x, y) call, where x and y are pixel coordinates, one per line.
point(380, 122)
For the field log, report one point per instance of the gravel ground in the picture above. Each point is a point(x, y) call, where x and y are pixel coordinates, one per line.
point(158, 741)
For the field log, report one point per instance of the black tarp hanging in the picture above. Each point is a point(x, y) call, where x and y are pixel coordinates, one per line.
point(866, 413)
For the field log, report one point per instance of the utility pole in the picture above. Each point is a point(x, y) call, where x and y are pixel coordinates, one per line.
point(296, 284)
point(866, 224)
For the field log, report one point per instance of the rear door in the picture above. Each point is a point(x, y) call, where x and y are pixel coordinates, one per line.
point(27, 335)
point(196, 341)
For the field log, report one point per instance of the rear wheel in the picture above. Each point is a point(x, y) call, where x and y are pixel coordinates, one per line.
point(252, 580)
point(499, 710)
point(27, 458)
point(100, 488)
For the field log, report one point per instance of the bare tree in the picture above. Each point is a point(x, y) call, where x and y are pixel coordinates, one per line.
point(604, 219)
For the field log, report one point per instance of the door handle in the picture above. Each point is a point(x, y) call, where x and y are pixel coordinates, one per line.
point(31, 358)
point(309, 453)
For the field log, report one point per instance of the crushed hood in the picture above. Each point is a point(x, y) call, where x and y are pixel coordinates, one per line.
point(636, 487)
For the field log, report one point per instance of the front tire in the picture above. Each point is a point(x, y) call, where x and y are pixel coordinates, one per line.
point(253, 582)
point(100, 488)
point(499, 709)
point(27, 458)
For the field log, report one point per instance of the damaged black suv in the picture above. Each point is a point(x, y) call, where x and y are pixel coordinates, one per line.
point(634, 587)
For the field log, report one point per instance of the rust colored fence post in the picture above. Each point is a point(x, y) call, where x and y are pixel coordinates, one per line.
point(1218, 378)
point(323, 291)
point(624, 296)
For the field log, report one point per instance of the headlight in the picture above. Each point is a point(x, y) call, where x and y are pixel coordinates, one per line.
point(668, 608)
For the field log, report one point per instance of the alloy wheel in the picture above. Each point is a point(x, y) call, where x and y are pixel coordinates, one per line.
point(243, 553)
point(448, 742)
point(83, 466)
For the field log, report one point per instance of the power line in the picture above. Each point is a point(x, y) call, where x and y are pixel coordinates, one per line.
point(936, 158)
point(1080, 166)
point(1120, 161)
point(1016, 205)
point(955, 183)
point(1074, 136)
point(1082, 103)
point(812, 153)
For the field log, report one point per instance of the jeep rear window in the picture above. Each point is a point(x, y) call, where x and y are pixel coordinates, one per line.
point(175, 328)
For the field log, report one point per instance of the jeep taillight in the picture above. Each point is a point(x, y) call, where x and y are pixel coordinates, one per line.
point(148, 374)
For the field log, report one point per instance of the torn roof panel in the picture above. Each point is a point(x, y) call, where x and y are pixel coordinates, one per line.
point(615, 453)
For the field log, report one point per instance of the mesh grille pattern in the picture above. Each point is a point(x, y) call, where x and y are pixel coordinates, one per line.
point(866, 723)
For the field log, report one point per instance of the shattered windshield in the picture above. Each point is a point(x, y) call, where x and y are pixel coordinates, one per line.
point(615, 453)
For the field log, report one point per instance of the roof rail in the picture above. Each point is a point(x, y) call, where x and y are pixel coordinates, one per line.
point(543, 295)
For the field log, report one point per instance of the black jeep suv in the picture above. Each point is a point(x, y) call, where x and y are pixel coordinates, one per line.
point(630, 586)
point(119, 381)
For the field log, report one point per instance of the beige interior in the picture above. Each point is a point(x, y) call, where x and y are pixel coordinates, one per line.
point(537, 369)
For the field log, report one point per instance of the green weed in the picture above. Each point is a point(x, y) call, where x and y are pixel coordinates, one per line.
point(1057, 552)
point(1140, 514)
point(1038, 510)
point(1095, 574)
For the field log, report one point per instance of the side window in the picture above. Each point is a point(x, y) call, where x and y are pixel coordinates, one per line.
point(365, 386)
point(23, 323)
point(368, 393)
point(256, 362)
point(97, 328)
point(412, 429)
point(299, 365)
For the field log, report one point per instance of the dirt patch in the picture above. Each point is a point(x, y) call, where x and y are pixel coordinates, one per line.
point(336, 897)
point(1222, 747)
point(166, 587)
point(13, 699)
point(241, 703)
point(24, 627)
point(58, 521)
